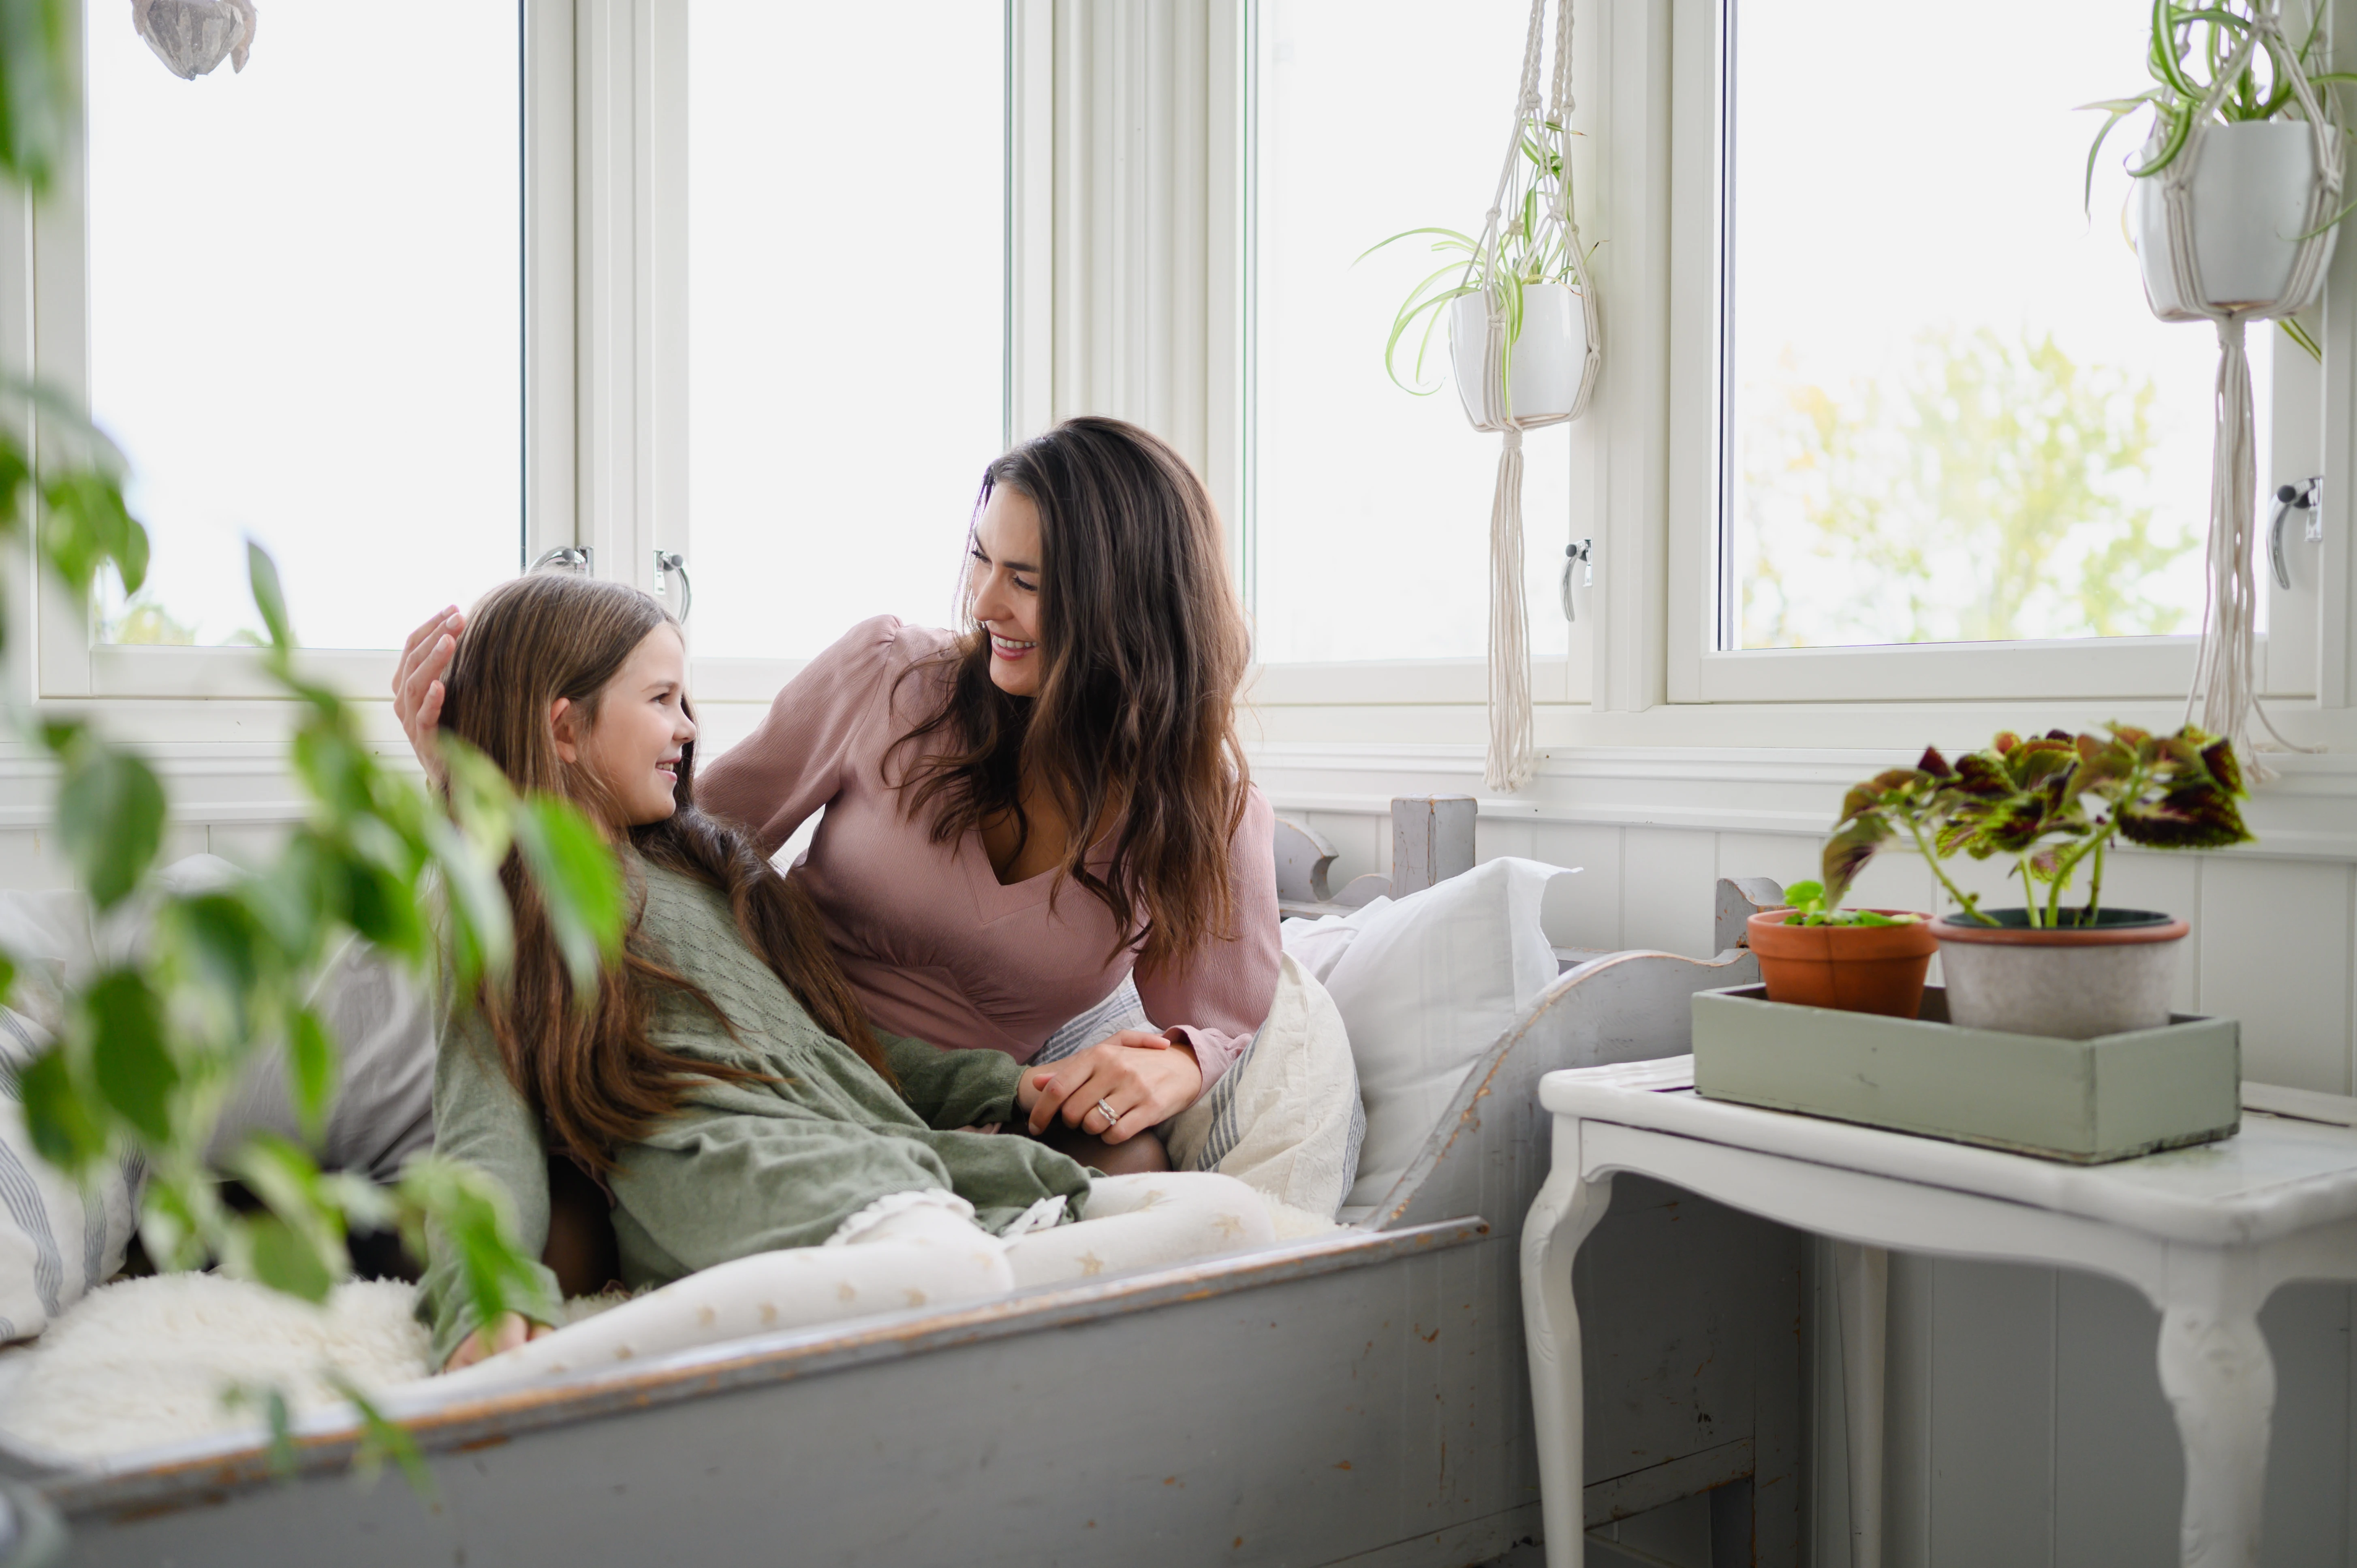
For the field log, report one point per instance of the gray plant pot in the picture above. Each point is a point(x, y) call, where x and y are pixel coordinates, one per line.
point(2071, 983)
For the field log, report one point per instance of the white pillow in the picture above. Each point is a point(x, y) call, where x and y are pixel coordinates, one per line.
point(1320, 944)
point(1285, 1118)
point(58, 1241)
point(1425, 985)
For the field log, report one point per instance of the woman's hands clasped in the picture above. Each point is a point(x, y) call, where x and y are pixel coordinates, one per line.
point(417, 683)
point(1144, 1077)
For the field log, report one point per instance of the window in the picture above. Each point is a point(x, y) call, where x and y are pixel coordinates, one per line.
point(1951, 415)
point(304, 318)
point(1950, 452)
point(847, 276)
point(1369, 508)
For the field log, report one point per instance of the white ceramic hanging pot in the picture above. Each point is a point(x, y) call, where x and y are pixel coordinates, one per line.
point(2249, 195)
point(1549, 358)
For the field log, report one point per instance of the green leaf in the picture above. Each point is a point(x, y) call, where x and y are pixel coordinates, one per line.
point(580, 885)
point(273, 1404)
point(470, 1213)
point(268, 597)
point(129, 1061)
point(382, 1439)
point(57, 1115)
point(481, 929)
point(109, 816)
point(383, 907)
point(85, 525)
point(311, 1071)
point(282, 1258)
point(1847, 851)
point(228, 944)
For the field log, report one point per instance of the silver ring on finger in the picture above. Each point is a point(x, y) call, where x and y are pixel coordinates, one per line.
point(1113, 1117)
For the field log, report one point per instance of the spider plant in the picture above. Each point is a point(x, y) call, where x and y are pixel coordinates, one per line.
point(1532, 248)
point(2190, 47)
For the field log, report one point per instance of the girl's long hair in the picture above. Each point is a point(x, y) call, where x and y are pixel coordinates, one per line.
point(595, 1072)
point(1133, 722)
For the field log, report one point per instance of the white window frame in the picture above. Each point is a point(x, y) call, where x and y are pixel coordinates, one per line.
point(1645, 465)
point(51, 295)
point(2124, 668)
point(1028, 64)
point(1351, 682)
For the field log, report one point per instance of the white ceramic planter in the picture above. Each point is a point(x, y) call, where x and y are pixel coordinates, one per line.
point(1548, 357)
point(2250, 206)
point(2068, 985)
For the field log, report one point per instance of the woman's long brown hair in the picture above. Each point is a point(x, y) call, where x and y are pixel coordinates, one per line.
point(1133, 721)
point(596, 1073)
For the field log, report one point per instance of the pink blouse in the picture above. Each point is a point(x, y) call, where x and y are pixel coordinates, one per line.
point(935, 945)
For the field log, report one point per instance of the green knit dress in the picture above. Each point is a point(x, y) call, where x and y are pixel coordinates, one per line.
point(741, 1167)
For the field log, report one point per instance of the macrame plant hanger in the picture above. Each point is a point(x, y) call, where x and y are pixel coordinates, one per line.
point(1510, 757)
point(2225, 687)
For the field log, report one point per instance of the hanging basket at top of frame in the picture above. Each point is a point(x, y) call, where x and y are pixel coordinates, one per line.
point(193, 36)
point(1526, 347)
point(2236, 227)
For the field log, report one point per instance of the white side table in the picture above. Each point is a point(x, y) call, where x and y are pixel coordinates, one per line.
point(2207, 1234)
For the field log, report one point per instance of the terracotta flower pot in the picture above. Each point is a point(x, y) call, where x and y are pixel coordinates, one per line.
point(1857, 969)
point(2069, 983)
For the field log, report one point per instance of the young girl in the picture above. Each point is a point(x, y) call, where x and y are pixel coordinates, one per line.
point(1021, 813)
point(723, 1084)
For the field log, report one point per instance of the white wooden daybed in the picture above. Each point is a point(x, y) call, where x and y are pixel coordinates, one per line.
point(1357, 1398)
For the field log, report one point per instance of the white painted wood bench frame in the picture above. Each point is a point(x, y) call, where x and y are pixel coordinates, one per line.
point(1357, 1398)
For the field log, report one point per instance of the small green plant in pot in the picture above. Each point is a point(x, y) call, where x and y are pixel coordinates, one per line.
point(2054, 804)
point(1814, 954)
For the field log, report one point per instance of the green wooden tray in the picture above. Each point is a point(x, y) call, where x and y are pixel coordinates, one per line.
point(2087, 1102)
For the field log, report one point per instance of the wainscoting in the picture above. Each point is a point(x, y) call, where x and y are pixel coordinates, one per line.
point(2026, 1422)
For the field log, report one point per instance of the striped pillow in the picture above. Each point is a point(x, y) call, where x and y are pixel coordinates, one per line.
point(57, 1241)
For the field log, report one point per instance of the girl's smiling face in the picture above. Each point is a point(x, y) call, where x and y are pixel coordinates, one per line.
point(1007, 588)
point(634, 744)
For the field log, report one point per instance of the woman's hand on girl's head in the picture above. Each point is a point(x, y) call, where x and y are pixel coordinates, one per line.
point(417, 683)
point(1145, 1077)
point(511, 1329)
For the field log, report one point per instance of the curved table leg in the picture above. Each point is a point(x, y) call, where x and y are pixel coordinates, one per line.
point(1862, 1291)
point(2221, 1382)
point(1565, 1210)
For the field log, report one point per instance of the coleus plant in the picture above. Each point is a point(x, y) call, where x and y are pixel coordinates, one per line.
point(2054, 803)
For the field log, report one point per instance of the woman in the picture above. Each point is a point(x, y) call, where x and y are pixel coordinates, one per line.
point(723, 1084)
point(1020, 815)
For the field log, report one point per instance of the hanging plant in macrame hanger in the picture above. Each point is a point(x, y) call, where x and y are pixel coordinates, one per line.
point(1525, 341)
point(2236, 204)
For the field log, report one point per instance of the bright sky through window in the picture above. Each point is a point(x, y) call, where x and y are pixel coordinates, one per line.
point(1951, 416)
point(1372, 507)
point(847, 343)
point(305, 284)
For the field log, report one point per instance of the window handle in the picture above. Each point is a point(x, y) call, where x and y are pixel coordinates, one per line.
point(567, 557)
point(1575, 557)
point(2300, 497)
point(666, 562)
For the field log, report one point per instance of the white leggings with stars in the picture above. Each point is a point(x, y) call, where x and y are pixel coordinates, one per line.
point(909, 1251)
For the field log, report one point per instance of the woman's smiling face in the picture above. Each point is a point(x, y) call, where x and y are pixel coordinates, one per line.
point(634, 747)
point(1007, 588)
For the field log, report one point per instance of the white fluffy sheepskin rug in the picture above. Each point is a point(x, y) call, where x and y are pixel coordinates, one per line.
point(146, 1361)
